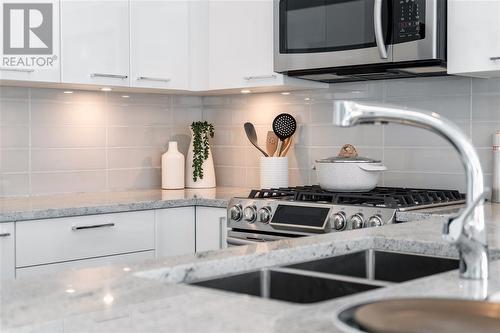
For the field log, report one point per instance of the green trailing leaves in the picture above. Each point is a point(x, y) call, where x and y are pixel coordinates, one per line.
point(202, 132)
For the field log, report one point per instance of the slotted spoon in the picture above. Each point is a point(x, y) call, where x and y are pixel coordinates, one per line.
point(284, 126)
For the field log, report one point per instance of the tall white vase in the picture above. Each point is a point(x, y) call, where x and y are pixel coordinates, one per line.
point(172, 168)
point(208, 180)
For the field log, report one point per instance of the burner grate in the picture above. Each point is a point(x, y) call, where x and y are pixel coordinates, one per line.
point(389, 197)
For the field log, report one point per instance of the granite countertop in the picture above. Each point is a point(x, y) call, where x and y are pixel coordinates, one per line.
point(151, 296)
point(64, 205)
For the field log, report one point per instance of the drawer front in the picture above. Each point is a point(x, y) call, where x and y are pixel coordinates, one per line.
point(123, 259)
point(64, 239)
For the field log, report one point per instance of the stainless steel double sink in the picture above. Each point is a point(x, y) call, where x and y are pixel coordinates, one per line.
point(324, 279)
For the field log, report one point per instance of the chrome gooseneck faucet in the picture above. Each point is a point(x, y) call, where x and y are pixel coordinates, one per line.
point(467, 230)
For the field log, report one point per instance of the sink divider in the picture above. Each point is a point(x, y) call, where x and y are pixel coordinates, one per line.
point(329, 276)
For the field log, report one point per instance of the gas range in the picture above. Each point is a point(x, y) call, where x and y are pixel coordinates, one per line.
point(271, 214)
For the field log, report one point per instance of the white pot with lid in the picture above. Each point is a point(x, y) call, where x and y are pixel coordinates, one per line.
point(349, 174)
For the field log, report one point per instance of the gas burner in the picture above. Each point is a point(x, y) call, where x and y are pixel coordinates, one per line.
point(385, 197)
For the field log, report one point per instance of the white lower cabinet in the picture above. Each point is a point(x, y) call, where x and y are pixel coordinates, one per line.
point(7, 251)
point(211, 228)
point(65, 239)
point(28, 248)
point(127, 258)
point(175, 231)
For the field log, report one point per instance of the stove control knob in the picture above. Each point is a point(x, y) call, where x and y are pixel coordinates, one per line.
point(375, 221)
point(249, 214)
point(265, 215)
point(357, 221)
point(339, 221)
point(235, 213)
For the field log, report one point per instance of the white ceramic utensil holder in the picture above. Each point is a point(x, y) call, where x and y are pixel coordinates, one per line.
point(273, 172)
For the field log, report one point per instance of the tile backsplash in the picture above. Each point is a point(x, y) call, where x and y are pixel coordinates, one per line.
point(52, 142)
point(56, 142)
point(415, 157)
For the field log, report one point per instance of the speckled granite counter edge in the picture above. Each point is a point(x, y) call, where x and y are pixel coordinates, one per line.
point(108, 208)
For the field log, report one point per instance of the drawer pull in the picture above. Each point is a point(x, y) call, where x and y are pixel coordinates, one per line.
point(260, 77)
point(94, 226)
point(23, 70)
point(157, 79)
point(112, 76)
point(494, 58)
point(5, 234)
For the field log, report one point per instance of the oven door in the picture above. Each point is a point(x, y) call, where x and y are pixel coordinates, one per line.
point(311, 34)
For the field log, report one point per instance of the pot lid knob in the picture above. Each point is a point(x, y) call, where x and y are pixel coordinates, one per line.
point(348, 150)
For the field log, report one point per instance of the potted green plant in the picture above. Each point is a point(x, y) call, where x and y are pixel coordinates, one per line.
point(200, 171)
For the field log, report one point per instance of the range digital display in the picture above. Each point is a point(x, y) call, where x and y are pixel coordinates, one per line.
point(300, 216)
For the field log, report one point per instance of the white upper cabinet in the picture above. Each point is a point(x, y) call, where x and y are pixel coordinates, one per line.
point(95, 42)
point(241, 46)
point(474, 38)
point(33, 55)
point(159, 44)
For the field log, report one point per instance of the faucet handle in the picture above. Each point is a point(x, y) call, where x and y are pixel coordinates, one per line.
point(452, 234)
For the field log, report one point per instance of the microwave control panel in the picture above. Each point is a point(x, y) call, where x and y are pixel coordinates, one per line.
point(409, 20)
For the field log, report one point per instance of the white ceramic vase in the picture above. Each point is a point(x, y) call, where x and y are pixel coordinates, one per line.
point(172, 168)
point(208, 180)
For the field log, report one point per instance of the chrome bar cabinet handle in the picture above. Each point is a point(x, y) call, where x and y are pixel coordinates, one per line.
point(5, 234)
point(94, 226)
point(112, 76)
point(260, 77)
point(22, 70)
point(494, 58)
point(157, 79)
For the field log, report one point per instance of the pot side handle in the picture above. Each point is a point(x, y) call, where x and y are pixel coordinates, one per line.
point(373, 167)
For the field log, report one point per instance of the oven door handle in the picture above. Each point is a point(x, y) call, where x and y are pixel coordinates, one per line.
point(379, 33)
point(243, 241)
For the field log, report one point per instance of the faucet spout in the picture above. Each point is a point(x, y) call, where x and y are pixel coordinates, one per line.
point(467, 231)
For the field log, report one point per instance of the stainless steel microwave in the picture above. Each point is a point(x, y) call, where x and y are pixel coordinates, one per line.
point(347, 40)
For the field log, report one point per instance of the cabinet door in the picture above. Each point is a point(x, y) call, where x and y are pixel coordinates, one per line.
point(175, 231)
point(474, 38)
point(241, 44)
point(21, 67)
point(7, 254)
point(95, 42)
point(159, 52)
point(211, 228)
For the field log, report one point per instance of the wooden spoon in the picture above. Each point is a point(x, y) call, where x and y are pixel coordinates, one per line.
point(271, 143)
point(287, 144)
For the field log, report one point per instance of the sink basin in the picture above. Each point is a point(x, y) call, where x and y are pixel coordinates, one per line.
point(381, 265)
point(424, 315)
point(289, 285)
point(329, 278)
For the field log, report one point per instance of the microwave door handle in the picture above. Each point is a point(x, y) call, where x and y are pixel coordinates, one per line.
point(379, 33)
